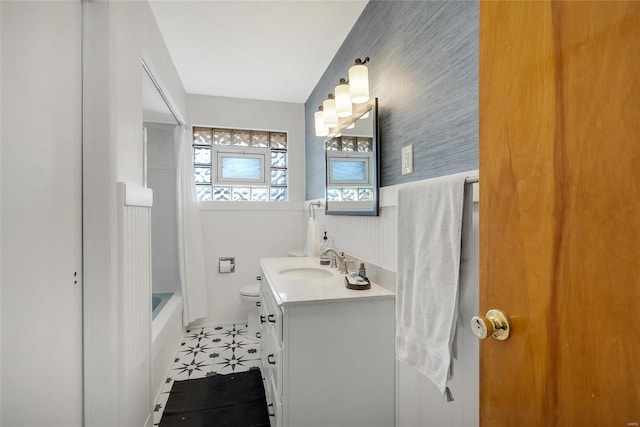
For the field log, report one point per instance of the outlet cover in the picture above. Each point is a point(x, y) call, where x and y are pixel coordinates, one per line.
point(407, 160)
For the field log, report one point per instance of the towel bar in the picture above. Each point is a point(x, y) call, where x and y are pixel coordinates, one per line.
point(312, 211)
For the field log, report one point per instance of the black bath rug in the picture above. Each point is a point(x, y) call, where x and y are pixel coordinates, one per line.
point(231, 400)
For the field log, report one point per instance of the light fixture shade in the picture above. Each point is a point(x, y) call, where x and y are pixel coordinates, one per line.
point(359, 83)
point(343, 100)
point(321, 129)
point(330, 116)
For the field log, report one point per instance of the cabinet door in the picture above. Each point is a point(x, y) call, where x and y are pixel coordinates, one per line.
point(268, 391)
point(275, 411)
point(272, 361)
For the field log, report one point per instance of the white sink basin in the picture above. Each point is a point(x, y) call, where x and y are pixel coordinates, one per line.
point(305, 272)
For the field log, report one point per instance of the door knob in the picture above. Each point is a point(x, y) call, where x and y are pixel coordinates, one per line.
point(495, 323)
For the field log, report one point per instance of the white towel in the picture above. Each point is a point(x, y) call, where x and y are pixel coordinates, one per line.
point(429, 240)
point(312, 246)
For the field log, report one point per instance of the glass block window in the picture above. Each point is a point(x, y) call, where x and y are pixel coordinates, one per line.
point(240, 165)
point(204, 192)
point(348, 169)
point(241, 194)
point(202, 136)
point(260, 139)
point(364, 144)
point(221, 193)
point(203, 175)
point(334, 144)
point(201, 156)
point(259, 194)
point(241, 138)
point(348, 143)
point(365, 194)
point(221, 137)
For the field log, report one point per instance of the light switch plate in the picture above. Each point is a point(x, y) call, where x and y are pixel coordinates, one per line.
point(407, 160)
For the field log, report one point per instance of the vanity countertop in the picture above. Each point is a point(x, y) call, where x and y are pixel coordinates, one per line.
point(292, 289)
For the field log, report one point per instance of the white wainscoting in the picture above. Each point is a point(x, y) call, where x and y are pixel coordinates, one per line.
point(134, 329)
point(373, 239)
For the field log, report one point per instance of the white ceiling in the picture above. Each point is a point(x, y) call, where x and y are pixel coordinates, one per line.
point(271, 50)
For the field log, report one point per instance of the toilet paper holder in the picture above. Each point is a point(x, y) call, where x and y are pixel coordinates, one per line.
point(226, 265)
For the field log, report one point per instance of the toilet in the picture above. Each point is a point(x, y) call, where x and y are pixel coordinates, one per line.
point(250, 297)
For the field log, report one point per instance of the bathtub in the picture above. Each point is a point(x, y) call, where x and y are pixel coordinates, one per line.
point(158, 301)
point(167, 333)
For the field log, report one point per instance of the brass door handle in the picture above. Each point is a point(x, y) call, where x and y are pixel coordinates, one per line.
point(496, 323)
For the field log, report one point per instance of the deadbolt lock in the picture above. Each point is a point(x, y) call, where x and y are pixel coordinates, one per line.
point(495, 323)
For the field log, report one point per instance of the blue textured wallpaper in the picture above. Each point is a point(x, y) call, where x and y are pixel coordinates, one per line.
point(424, 70)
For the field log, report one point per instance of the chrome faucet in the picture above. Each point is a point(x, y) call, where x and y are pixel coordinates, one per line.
point(342, 263)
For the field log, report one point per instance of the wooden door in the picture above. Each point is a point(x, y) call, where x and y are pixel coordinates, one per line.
point(560, 212)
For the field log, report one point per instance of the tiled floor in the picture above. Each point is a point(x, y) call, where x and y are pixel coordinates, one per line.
point(210, 350)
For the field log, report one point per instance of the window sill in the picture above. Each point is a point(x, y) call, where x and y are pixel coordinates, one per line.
point(251, 206)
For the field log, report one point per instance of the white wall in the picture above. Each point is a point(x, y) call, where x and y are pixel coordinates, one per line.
point(41, 213)
point(262, 115)
point(100, 297)
point(418, 402)
point(247, 235)
point(118, 35)
point(134, 34)
point(161, 178)
point(245, 230)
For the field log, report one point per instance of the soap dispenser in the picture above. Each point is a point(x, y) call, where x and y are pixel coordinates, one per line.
point(362, 272)
point(325, 244)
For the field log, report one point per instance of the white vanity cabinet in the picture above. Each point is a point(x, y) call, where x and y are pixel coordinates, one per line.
point(327, 352)
point(271, 352)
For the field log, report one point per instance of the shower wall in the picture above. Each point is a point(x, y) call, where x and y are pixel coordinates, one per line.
point(161, 178)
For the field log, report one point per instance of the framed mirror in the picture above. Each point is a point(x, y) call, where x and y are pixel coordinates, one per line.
point(351, 164)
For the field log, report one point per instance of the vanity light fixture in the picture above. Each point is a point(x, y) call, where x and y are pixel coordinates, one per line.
point(359, 81)
point(321, 129)
point(343, 99)
point(340, 108)
point(330, 116)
